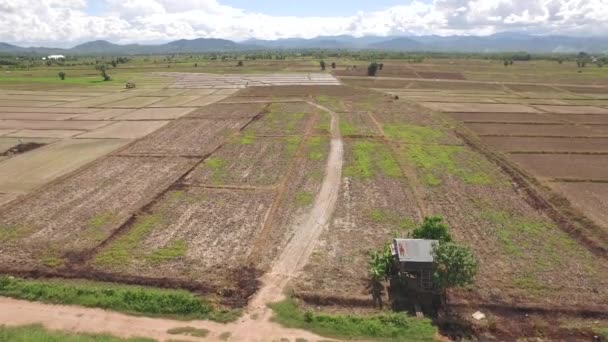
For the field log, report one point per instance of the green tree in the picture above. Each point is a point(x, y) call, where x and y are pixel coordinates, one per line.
point(114, 64)
point(104, 72)
point(372, 69)
point(454, 265)
point(322, 64)
point(333, 65)
point(239, 64)
point(62, 75)
point(432, 228)
point(380, 66)
point(380, 263)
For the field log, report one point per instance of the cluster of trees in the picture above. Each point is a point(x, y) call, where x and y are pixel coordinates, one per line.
point(455, 265)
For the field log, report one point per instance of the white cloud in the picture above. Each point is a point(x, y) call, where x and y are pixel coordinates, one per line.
point(65, 22)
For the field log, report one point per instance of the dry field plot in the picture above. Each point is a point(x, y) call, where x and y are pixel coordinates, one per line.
point(573, 109)
point(565, 166)
point(505, 117)
point(547, 144)
point(247, 161)
point(79, 212)
point(590, 198)
point(228, 111)
point(125, 130)
point(480, 107)
point(197, 234)
point(541, 130)
point(155, 114)
point(187, 137)
point(592, 119)
point(282, 119)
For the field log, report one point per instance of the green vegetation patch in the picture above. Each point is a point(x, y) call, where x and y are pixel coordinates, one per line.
point(369, 158)
point(384, 326)
point(217, 166)
point(346, 128)
point(189, 331)
point(316, 148)
point(304, 198)
point(14, 232)
point(292, 145)
point(434, 161)
point(413, 134)
point(174, 250)
point(119, 252)
point(246, 139)
point(136, 300)
point(96, 224)
point(36, 333)
point(390, 217)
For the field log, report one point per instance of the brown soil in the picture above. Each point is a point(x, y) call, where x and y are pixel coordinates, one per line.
point(441, 75)
point(505, 118)
point(585, 118)
point(479, 107)
point(228, 111)
point(590, 198)
point(546, 144)
point(78, 212)
point(187, 137)
point(540, 130)
point(281, 119)
point(565, 166)
point(242, 163)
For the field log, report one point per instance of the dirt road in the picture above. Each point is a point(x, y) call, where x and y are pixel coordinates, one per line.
point(255, 325)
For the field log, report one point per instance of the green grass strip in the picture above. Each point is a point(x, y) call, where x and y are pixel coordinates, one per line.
point(36, 333)
point(383, 327)
point(135, 300)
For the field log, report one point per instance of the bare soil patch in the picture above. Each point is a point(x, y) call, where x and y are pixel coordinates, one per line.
point(105, 114)
point(593, 119)
point(547, 144)
point(45, 133)
point(441, 75)
point(60, 125)
point(589, 198)
point(77, 213)
point(36, 116)
point(555, 130)
point(193, 234)
point(573, 109)
point(134, 102)
point(246, 161)
point(505, 117)
point(456, 86)
point(55, 110)
point(585, 90)
point(186, 137)
point(28, 171)
point(301, 91)
point(531, 101)
point(228, 111)
point(565, 166)
point(282, 119)
point(175, 101)
point(125, 130)
point(480, 107)
point(155, 114)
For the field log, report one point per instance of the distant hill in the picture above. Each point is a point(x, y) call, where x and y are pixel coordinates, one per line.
point(501, 42)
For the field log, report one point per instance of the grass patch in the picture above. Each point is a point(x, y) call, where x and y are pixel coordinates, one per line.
point(370, 158)
point(36, 333)
point(304, 198)
point(392, 218)
point(292, 145)
point(96, 224)
point(384, 326)
point(14, 232)
point(434, 161)
point(217, 166)
point(225, 336)
point(189, 331)
point(120, 251)
point(136, 300)
point(316, 148)
point(346, 128)
point(413, 134)
point(246, 139)
point(173, 251)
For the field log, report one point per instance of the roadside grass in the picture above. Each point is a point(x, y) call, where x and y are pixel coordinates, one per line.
point(304, 199)
point(189, 331)
point(121, 250)
point(383, 326)
point(316, 148)
point(323, 125)
point(129, 299)
point(37, 333)
point(369, 158)
point(292, 145)
point(174, 250)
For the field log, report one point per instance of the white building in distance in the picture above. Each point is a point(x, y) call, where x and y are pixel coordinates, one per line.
point(56, 57)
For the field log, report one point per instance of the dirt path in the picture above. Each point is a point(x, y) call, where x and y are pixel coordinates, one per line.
point(255, 325)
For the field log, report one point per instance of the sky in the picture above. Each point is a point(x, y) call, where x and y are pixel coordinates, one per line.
point(64, 23)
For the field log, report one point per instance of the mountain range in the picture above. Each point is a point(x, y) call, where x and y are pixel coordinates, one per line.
point(501, 42)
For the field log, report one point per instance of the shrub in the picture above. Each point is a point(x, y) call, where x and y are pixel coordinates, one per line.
point(240, 64)
point(380, 263)
point(62, 75)
point(372, 69)
point(454, 265)
point(322, 64)
point(333, 65)
point(432, 228)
